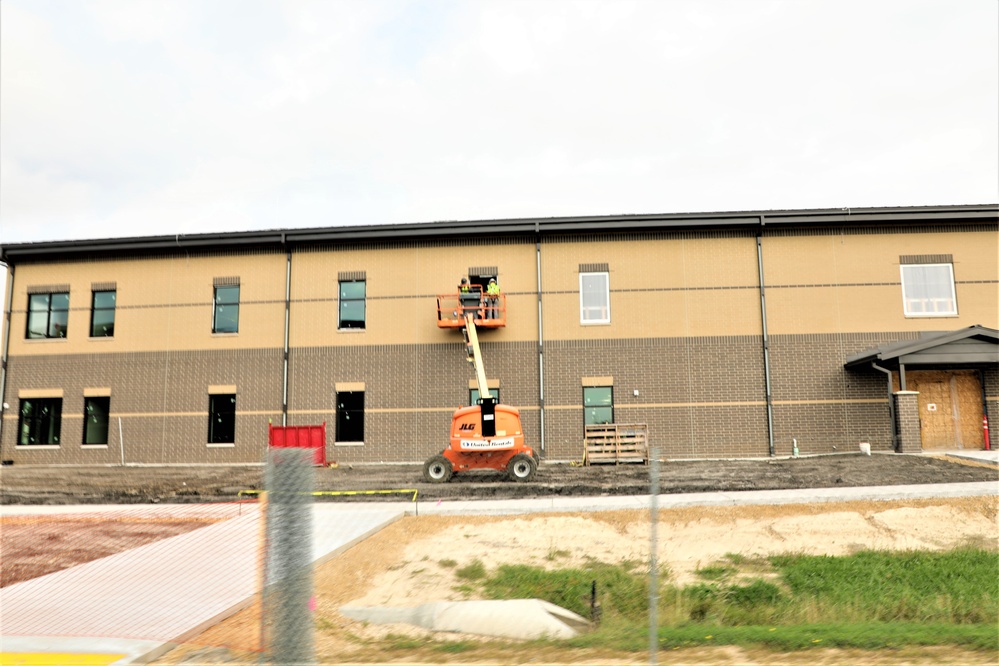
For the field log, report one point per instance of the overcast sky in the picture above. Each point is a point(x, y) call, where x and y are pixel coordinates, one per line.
point(131, 117)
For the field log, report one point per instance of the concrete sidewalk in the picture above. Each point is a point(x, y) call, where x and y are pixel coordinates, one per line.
point(136, 605)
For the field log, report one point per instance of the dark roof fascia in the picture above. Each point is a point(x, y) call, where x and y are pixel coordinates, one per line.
point(282, 238)
point(895, 350)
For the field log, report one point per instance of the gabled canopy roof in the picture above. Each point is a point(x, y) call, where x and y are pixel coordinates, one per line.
point(974, 345)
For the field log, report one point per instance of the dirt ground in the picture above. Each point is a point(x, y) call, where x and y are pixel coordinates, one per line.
point(413, 561)
point(24, 484)
point(408, 562)
point(33, 547)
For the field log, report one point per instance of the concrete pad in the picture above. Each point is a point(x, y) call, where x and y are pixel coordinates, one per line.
point(116, 651)
point(990, 457)
point(168, 591)
point(670, 501)
point(513, 618)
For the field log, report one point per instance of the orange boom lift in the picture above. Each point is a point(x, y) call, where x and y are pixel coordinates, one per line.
point(486, 435)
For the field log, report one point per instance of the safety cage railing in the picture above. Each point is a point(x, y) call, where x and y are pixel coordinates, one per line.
point(487, 311)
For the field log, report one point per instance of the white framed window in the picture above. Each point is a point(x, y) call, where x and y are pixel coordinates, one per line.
point(594, 298)
point(928, 290)
point(352, 304)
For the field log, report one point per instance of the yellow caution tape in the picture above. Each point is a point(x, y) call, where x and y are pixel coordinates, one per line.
point(319, 493)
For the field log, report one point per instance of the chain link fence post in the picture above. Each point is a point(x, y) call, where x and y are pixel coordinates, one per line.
point(288, 561)
point(653, 552)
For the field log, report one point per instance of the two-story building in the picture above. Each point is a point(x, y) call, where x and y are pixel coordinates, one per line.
point(728, 334)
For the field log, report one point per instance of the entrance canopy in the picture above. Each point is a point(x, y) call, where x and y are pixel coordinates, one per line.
point(971, 346)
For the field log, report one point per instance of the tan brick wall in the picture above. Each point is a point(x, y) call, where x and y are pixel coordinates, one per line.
point(410, 393)
point(662, 285)
point(402, 283)
point(845, 282)
point(162, 303)
point(161, 399)
point(685, 331)
point(701, 397)
point(907, 404)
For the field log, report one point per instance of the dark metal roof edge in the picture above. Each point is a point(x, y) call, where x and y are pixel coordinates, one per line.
point(894, 350)
point(508, 227)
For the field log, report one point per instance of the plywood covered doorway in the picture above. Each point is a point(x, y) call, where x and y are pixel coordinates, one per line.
point(950, 408)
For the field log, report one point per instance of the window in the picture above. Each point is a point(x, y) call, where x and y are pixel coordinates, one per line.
point(48, 315)
point(352, 303)
point(594, 298)
point(222, 418)
point(226, 316)
point(102, 314)
point(40, 421)
point(928, 290)
point(95, 420)
point(473, 395)
point(598, 405)
point(350, 416)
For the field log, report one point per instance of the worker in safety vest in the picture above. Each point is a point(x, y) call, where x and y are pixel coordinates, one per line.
point(467, 300)
point(492, 299)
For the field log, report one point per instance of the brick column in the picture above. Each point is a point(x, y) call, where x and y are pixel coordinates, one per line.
point(907, 413)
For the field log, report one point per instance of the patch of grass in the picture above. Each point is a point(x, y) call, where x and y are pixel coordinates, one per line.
point(619, 591)
point(455, 647)
point(869, 600)
point(863, 636)
point(554, 554)
point(715, 572)
point(447, 564)
point(399, 642)
point(474, 570)
point(465, 589)
point(958, 586)
point(323, 624)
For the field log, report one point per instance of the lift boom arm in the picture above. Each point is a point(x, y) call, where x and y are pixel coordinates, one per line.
point(475, 355)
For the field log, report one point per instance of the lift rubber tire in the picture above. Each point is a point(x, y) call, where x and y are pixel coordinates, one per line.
point(521, 467)
point(537, 458)
point(437, 470)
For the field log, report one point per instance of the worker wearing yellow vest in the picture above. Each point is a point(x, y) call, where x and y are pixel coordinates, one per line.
point(492, 299)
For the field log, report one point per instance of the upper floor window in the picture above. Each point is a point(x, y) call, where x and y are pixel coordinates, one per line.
point(352, 303)
point(40, 421)
point(48, 315)
point(594, 297)
point(225, 318)
point(102, 308)
point(928, 289)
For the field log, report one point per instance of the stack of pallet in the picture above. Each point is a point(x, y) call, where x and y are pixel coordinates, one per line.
point(616, 443)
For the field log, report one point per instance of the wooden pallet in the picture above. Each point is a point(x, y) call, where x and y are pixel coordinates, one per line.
point(616, 443)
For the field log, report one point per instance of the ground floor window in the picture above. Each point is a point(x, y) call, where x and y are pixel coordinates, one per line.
point(598, 405)
point(350, 416)
point(95, 420)
point(40, 421)
point(222, 418)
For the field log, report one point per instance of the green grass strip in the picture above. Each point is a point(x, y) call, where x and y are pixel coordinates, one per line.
point(865, 636)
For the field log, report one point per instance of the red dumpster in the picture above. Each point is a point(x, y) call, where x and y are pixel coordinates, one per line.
point(305, 437)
